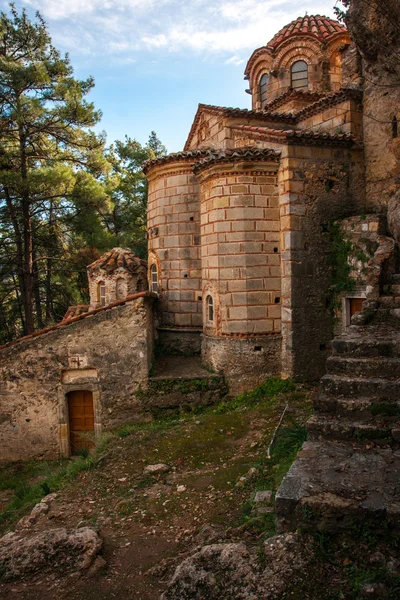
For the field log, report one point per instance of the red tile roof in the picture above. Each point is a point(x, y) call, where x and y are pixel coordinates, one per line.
point(115, 258)
point(318, 26)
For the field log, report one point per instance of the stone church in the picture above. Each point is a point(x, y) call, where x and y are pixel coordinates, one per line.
point(240, 262)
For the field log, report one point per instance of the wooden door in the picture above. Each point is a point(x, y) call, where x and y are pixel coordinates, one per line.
point(81, 420)
point(356, 305)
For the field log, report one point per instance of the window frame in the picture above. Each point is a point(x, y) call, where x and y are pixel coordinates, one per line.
point(154, 284)
point(302, 80)
point(263, 89)
point(210, 312)
point(101, 293)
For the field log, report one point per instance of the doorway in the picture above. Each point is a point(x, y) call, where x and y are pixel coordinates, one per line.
point(81, 420)
point(356, 305)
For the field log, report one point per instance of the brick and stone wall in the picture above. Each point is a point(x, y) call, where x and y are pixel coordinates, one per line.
point(174, 242)
point(317, 184)
point(324, 66)
point(108, 353)
point(240, 247)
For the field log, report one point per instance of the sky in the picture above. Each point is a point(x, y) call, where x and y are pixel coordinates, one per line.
point(154, 61)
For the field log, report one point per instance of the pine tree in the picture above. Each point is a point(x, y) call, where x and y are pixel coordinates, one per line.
point(51, 163)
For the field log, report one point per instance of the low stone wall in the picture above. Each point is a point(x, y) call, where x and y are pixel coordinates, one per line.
point(245, 362)
point(180, 341)
point(108, 353)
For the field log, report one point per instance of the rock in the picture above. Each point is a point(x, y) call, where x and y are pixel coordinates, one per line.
point(216, 571)
point(158, 469)
point(263, 497)
point(58, 551)
point(40, 509)
point(232, 572)
point(98, 564)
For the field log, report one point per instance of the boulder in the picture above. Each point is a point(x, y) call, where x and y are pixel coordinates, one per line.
point(232, 572)
point(58, 551)
point(216, 571)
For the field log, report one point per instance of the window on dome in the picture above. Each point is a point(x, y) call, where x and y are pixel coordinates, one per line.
point(395, 127)
point(263, 89)
point(299, 74)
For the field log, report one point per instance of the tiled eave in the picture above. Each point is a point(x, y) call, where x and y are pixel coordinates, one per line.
point(190, 156)
point(294, 136)
point(232, 155)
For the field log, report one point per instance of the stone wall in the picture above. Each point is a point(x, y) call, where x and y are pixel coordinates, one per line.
point(174, 242)
point(317, 184)
point(374, 29)
point(245, 362)
point(118, 284)
point(108, 353)
point(345, 117)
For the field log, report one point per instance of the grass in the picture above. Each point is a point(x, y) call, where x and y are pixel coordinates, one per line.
point(199, 439)
point(31, 482)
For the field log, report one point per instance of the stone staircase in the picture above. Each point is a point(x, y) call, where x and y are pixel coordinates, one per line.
point(348, 471)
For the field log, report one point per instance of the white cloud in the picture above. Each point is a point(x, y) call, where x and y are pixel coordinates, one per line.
point(234, 60)
point(125, 27)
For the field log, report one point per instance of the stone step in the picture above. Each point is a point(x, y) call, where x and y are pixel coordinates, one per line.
point(360, 386)
point(364, 366)
point(331, 427)
point(359, 409)
point(334, 486)
point(366, 347)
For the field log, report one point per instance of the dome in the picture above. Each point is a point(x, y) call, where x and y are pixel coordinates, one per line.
point(320, 27)
point(115, 259)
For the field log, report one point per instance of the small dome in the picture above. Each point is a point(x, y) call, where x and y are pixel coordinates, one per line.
point(115, 259)
point(320, 27)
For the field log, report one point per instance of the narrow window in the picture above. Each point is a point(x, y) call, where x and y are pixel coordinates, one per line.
point(154, 279)
point(395, 127)
point(299, 75)
point(263, 89)
point(210, 309)
point(101, 293)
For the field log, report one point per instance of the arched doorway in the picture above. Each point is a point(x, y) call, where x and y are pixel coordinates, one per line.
point(81, 420)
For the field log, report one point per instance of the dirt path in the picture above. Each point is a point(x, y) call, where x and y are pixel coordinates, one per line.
point(150, 523)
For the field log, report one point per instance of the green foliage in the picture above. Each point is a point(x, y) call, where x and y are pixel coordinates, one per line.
point(64, 198)
point(28, 491)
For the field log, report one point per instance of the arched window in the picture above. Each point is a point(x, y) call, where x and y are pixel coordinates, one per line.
point(299, 75)
point(101, 293)
point(154, 279)
point(395, 127)
point(262, 93)
point(210, 309)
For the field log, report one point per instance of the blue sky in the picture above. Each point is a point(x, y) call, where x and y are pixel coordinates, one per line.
point(154, 60)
